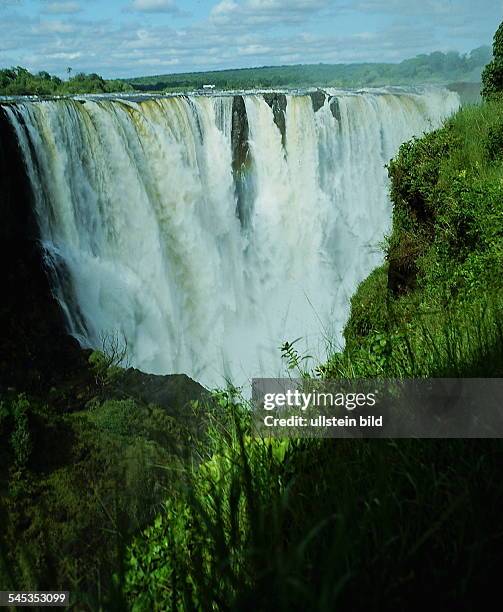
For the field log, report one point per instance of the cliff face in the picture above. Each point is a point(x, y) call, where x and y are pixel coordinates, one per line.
point(37, 354)
point(35, 350)
point(240, 157)
point(278, 103)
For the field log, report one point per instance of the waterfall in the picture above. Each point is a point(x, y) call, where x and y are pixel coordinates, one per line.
point(207, 230)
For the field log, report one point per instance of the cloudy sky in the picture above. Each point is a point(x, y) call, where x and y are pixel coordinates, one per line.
point(140, 37)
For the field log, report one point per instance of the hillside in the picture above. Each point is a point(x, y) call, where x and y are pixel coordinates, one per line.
point(444, 258)
point(437, 67)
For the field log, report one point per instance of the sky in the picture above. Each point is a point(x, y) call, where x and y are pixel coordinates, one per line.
point(121, 38)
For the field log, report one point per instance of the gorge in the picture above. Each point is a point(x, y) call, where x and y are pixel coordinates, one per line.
point(205, 230)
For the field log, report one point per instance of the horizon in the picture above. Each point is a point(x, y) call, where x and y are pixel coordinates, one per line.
point(266, 66)
point(261, 66)
point(142, 38)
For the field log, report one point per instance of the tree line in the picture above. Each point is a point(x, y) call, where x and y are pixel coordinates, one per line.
point(19, 81)
point(435, 67)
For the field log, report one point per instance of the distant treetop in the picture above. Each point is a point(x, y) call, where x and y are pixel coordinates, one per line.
point(437, 67)
point(19, 81)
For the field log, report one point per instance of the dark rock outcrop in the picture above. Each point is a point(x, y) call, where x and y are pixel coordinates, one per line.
point(318, 99)
point(335, 108)
point(172, 392)
point(240, 133)
point(241, 158)
point(36, 352)
point(278, 103)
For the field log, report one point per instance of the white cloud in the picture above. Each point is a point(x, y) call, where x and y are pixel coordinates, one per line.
point(266, 12)
point(61, 8)
point(65, 56)
point(430, 9)
point(255, 50)
point(54, 27)
point(239, 33)
point(153, 6)
point(157, 61)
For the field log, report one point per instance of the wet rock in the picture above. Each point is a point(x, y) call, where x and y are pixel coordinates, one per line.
point(241, 158)
point(318, 99)
point(172, 392)
point(278, 103)
point(335, 108)
point(240, 133)
point(37, 352)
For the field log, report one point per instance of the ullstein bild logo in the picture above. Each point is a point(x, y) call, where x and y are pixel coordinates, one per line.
point(411, 408)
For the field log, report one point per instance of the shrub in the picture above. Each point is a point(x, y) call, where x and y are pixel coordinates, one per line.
point(494, 143)
point(20, 437)
point(109, 363)
point(14, 425)
point(492, 76)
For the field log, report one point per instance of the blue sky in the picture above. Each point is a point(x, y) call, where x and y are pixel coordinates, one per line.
point(139, 37)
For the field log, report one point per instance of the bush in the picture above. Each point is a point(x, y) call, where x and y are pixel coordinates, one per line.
point(492, 76)
point(494, 143)
point(109, 363)
point(20, 438)
point(15, 413)
point(19, 81)
point(368, 308)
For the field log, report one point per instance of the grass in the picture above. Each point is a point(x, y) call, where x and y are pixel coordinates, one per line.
point(324, 525)
point(472, 125)
point(464, 340)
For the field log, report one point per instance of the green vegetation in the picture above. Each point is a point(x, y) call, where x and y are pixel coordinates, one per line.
point(19, 82)
point(437, 300)
point(437, 67)
point(492, 76)
point(76, 486)
point(310, 525)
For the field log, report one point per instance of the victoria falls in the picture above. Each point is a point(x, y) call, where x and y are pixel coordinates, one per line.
point(206, 230)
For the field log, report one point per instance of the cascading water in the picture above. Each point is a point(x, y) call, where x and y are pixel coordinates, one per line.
point(206, 230)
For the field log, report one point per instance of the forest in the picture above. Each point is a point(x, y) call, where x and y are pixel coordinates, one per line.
point(19, 81)
point(435, 67)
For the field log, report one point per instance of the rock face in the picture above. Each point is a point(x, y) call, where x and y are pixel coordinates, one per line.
point(335, 109)
point(241, 158)
point(35, 350)
point(318, 99)
point(172, 392)
point(278, 102)
point(240, 133)
point(37, 353)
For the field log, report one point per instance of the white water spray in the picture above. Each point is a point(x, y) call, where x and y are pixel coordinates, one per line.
point(137, 207)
